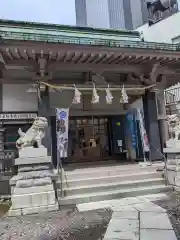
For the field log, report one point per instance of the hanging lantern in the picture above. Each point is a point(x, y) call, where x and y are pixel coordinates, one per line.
point(95, 96)
point(124, 96)
point(77, 96)
point(109, 96)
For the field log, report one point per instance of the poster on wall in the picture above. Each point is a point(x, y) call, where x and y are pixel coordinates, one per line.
point(143, 132)
point(62, 124)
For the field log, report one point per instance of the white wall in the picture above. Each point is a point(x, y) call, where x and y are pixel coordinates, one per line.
point(15, 98)
point(162, 31)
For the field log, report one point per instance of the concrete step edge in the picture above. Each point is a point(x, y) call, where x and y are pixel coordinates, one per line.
point(116, 191)
point(109, 193)
point(108, 176)
point(114, 184)
point(106, 169)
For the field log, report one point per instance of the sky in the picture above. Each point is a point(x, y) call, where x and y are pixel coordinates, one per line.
point(44, 11)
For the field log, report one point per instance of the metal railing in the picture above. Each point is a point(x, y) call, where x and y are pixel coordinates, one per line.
point(172, 96)
point(58, 38)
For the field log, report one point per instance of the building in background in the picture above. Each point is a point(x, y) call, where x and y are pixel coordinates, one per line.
point(115, 14)
point(163, 23)
point(166, 31)
point(160, 9)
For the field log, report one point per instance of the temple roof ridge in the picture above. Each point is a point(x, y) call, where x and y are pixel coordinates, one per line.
point(28, 24)
point(52, 33)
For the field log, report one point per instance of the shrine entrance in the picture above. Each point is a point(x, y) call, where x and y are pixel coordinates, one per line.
point(89, 139)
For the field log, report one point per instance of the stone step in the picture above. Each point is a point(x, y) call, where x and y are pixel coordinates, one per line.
point(112, 186)
point(108, 195)
point(107, 171)
point(110, 179)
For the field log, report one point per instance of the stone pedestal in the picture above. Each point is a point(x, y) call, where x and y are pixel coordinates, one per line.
point(32, 189)
point(173, 165)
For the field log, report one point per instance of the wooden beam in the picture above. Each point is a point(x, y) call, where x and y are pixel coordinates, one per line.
point(84, 58)
point(69, 56)
point(25, 55)
point(109, 57)
point(33, 54)
point(50, 55)
point(116, 58)
point(42, 66)
point(2, 62)
point(101, 57)
point(92, 58)
point(78, 58)
point(60, 56)
point(93, 67)
point(16, 53)
point(9, 54)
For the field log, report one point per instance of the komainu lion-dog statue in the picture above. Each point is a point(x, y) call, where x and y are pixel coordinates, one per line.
point(34, 135)
point(174, 126)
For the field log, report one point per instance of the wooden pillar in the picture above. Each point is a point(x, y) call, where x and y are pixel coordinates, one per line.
point(162, 117)
point(151, 124)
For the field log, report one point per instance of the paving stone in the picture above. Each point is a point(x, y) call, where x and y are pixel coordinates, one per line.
point(115, 204)
point(123, 224)
point(123, 235)
point(122, 229)
point(125, 215)
point(157, 234)
point(154, 220)
point(92, 206)
point(148, 207)
point(125, 201)
point(153, 197)
point(123, 208)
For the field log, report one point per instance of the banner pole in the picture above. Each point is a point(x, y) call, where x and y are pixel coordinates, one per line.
point(145, 145)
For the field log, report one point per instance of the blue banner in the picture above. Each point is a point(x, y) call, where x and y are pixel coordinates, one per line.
point(131, 127)
point(62, 117)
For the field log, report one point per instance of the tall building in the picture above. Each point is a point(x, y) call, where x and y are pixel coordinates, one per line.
point(116, 14)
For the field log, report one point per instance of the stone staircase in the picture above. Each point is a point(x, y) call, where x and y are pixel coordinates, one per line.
point(91, 184)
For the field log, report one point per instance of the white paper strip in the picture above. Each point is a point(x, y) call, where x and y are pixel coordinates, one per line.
point(124, 96)
point(109, 96)
point(77, 96)
point(95, 96)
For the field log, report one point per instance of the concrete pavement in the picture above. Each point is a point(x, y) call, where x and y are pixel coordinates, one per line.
point(135, 218)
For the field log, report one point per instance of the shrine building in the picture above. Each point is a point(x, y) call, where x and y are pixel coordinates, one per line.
point(56, 55)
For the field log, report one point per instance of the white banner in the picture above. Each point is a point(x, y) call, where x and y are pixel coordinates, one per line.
point(62, 125)
point(143, 133)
